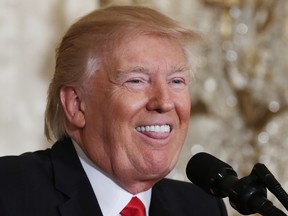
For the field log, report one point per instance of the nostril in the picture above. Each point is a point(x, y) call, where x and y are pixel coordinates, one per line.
point(159, 110)
point(160, 106)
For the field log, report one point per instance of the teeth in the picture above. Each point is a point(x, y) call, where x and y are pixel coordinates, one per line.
point(154, 128)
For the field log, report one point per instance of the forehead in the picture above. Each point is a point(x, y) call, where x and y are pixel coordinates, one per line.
point(147, 51)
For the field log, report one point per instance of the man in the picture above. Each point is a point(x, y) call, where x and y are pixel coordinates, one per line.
point(119, 106)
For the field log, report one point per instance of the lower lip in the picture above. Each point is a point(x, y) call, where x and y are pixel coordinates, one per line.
point(155, 136)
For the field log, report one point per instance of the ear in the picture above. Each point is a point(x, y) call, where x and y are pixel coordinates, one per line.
point(73, 106)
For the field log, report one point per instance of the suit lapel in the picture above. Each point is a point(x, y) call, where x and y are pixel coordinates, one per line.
point(71, 180)
point(159, 204)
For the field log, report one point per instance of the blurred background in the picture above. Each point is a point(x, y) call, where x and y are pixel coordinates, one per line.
point(239, 100)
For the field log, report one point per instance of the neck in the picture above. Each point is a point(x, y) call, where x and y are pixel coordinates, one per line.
point(138, 187)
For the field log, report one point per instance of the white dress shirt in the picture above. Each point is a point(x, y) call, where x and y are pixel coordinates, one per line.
point(111, 197)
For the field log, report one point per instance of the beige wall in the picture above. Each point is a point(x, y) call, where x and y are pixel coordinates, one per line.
point(29, 32)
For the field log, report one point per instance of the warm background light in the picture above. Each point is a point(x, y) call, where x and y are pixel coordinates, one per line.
point(239, 98)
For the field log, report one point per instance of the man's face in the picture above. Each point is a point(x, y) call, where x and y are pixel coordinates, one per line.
point(136, 117)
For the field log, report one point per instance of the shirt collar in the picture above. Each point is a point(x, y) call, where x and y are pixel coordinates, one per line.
point(110, 196)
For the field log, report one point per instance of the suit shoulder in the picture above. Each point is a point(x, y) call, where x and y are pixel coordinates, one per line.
point(27, 182)
point(189, 197)
point(177, 186)
point(24, 165)
point(183, 189)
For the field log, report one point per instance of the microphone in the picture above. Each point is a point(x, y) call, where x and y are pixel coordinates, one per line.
point(211, 174)
point(247, 195)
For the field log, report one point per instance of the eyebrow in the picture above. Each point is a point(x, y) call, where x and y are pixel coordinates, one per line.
point(141, 69)
point(136, 69)
point(130, 70)
point(184, 69)
point(180, 69)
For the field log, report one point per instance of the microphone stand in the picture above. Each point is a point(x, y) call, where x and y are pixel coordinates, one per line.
point(265, 207)
point(249, 196)
point(267, 178)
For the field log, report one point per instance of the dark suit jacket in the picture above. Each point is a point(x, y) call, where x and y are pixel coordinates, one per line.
point(53, 183)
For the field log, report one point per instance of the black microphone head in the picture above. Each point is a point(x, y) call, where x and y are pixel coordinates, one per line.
point(206, 171)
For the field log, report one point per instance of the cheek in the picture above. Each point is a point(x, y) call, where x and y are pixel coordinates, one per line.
point(126, 105)
point(183, 107)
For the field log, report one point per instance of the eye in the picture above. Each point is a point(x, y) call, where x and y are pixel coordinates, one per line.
point(136, 84)
point(135, 81)
point(178, 81)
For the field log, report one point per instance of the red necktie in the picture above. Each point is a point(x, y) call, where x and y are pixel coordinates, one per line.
point(134, 208)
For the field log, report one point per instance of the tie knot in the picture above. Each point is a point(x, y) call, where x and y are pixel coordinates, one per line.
point(134, 208)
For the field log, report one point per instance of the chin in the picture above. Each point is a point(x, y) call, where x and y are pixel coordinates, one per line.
point(159, 172)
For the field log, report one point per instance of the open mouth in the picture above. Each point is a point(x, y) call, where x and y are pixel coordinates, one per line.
point(155, 128)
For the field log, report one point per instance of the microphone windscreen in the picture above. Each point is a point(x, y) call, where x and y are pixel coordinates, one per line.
point(203, 168)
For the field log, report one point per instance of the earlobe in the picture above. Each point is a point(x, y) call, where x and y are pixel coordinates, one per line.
point(72, 106)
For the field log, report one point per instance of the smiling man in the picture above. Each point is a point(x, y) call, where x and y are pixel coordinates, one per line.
point(119, 106)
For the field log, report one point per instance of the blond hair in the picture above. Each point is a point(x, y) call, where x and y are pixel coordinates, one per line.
point(89, 44)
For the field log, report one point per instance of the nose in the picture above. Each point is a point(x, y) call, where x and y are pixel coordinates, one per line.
point(160, 99)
